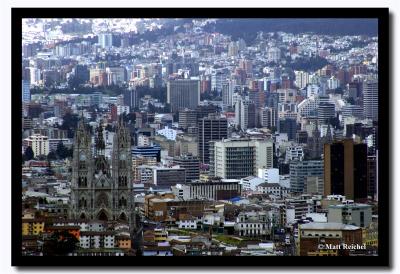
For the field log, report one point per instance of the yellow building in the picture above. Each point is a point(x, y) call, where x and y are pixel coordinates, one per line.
point(160, 235)
point(32, 227)
point(370, 236)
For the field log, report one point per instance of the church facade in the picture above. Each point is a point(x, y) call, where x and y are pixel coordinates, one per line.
point(101, 188)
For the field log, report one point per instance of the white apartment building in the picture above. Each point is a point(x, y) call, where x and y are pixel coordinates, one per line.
point(239, 158)
point(38, 143)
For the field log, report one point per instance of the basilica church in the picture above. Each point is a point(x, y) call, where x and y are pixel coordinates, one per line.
point(101, 188)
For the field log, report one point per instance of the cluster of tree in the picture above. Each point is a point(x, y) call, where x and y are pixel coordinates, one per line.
point(247, 28)
point(157, 93)
point(309, 64)
point(70, 123)
point(60, 244)
point(61, 152)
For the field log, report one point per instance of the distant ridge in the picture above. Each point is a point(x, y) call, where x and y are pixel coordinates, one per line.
point(246, 28)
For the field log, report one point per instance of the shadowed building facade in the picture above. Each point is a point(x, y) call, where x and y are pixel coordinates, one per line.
point(99, 191)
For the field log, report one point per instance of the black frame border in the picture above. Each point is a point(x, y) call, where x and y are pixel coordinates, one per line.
point(382, 14)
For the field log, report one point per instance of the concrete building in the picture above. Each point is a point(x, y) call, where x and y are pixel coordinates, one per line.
point(166, 177)
point(210, 128)
point(370, 99)
point(245, 114)
point(326, 111)
point(183, 93)
point(350, 214)
point(314, 238)
point(272, 189)
point(214, 189)
point(346, 169)
point(270, 175)
point(251, 182)
point(294, 153)
point(252, 224)
point(239, 158)
point(105, 40)
point(187, 118)
point(38, 143)
point(301, 170)
point(191, 164)
point(267, 117)
point(26, 92)
point(314, 185)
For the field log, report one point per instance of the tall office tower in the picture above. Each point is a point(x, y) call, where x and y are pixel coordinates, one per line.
point(245, 114)
point(227, 93)
point(346, 169)
point(326, 111)
point(302, 79)
point(352, 111)
point(131, 98)
point(246, 65)
point(274, 54)
point(289, 126)
point(191, 164)
point(218, 79)
point(211, 128)
point(257, 97)
point(105, 40)
point(239, 158)
point(101, 190)
point(372, 176)
point(233, 49)
point(183, 93)
point(82, 73)
point(301, 170)
point(205, 110)
point(370, 99)
point(187, 118)
point(26, 92)
point(267, 117)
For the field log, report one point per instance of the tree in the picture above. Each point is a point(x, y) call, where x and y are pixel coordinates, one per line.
point(60, 244)
point(52, 156)
point(70, 122)
point(28, 155)
point(62, 151)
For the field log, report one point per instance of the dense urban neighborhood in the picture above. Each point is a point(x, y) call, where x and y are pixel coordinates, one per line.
point(190, 137)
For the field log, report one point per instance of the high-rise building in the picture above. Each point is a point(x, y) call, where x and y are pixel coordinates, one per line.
point(352, 111)
point(326, 111)
point(26, 92)
point(233, 49)
point(131, 98)
point(227, 93)
point(191, 164)
point(211, 128)
point(301, 170)
point(105, 40)
point(245, 114)
point(38, 143)
point(302, 79)
point(370, 99)
point(187, 118)
point(267, 117)
point(239, 158)
point(288, 126)
point(218, 79)
point(346, 169)
point(183, 93)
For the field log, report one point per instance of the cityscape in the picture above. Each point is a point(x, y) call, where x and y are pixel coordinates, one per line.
point(199, 137)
